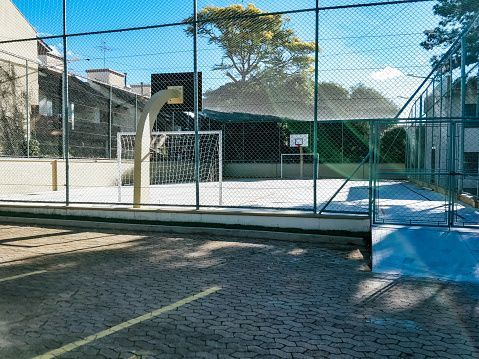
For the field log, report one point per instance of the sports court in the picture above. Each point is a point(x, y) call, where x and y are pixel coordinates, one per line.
point(396, 201)
point(230, 179)
point(72, 293)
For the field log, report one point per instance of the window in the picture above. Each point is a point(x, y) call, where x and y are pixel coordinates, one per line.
point(470, 113)
point(470, 110)
point(471, 162)
point(45, 107)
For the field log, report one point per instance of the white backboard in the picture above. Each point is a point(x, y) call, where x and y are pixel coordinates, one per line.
point(296, 140)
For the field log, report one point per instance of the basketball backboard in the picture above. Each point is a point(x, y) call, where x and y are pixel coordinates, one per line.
point(298, 140)
point(184, 83)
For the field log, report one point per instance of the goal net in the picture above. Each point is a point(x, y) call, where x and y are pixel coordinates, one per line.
point(172, 159)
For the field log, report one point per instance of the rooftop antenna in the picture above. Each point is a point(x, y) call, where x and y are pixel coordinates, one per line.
point(105, 49)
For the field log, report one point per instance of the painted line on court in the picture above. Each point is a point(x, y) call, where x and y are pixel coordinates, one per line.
point(21, 276)
point(72, 346)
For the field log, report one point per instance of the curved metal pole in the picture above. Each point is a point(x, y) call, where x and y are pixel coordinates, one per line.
point(141, 170)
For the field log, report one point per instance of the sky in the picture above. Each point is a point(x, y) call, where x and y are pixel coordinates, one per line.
point(375, 46)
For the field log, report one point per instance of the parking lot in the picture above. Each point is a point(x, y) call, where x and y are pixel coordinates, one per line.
point(75, 293)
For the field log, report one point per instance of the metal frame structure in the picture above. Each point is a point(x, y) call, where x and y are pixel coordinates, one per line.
point(167, 133)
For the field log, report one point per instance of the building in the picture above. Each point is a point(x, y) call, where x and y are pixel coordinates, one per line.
point(440, 114)
point(98, 112)
point(141, 89)
point(101, 104)
point(19, 79)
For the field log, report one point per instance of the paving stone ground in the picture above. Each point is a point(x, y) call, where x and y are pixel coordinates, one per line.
point(277, 300)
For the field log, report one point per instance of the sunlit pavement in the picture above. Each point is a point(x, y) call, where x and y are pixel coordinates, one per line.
point(434, 252)
point(78, 294)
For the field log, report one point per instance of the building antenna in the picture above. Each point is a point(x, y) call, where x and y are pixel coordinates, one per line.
point(104, 49)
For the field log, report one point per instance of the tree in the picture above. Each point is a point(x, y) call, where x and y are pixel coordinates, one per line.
point(456, 16)
point(253, 43)
point(393, 145)
point(270, 70)
point(293, 97)
point(281, 95)
point(366, 102)
point(12, 116)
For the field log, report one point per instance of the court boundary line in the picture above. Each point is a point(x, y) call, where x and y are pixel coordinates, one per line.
point(129, 323)
point(24, 275)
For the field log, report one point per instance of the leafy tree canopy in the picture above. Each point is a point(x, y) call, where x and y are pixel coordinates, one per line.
point(456, 15)
point(293, 97)
point(271, 70)
point(253, 43)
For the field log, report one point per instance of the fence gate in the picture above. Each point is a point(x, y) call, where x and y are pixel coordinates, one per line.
point(427, 173)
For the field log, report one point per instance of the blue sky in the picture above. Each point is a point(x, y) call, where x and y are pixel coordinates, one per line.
point(376, 46)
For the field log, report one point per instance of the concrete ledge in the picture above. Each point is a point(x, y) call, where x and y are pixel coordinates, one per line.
point(337, 230)
point(338, 241)
point(466, 198)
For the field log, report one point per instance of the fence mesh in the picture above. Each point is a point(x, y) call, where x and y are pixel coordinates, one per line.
point(393, 131)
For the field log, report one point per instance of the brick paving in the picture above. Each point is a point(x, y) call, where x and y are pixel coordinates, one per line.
point(277, 300)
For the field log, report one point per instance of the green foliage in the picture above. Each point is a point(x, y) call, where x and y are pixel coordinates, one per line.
point(12, 114)
point(293, 97)
point(253, 43)
point(282, 95)
point(393, 145)
point(271, 70)
point(342, 142)
point(34, 148)
point(455, 16)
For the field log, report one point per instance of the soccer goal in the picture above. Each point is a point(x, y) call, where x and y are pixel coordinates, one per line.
point(172, 159)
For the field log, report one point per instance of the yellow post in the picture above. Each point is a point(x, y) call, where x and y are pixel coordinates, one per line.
point(55, 175)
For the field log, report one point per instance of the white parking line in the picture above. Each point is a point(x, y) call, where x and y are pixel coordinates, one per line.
point(72, 346)
point(21, 276)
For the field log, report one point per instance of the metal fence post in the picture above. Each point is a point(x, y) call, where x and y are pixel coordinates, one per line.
point(452, 153)
point(463, 113)
point(463, 76)
point(136, 111)
point(316, 98)
point(220, 167)
point(441, 113)
point(66, 130)
point(196, 104)
point(477, 88)
point(371, 174)
point(27, 108)
point(110, 119)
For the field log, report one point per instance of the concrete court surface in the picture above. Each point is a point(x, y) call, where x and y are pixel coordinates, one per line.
point(397, 201)
point(449, 254)
point(72, 293)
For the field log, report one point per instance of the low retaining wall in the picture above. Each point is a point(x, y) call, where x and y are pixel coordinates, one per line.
point(292, 170)
point(21, 176)
point(280, 225)
point(466, 198)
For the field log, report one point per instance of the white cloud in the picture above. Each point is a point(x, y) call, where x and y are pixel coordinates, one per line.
point(386, 74)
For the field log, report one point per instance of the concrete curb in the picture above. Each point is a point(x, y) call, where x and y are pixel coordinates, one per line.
point(324, 239)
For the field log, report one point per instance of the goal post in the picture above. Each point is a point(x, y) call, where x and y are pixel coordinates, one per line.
point(297, 161)
point(172, 159)
point(300, 141)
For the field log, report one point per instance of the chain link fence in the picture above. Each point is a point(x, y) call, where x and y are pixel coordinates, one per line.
point(341, 108)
